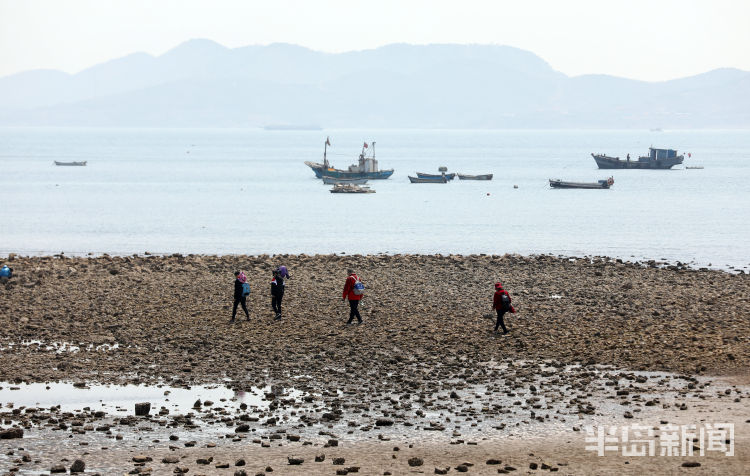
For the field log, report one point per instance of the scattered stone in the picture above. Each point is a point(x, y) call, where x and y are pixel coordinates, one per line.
point(320, 458)
point(690, 464)
point(339, 461)
point(142, 409)
point(295, 461)
point(415, 461)
point(58, 468)
point(11, 433)
point(78, 466)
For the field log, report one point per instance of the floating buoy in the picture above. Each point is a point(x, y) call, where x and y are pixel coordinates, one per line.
point(488, 194)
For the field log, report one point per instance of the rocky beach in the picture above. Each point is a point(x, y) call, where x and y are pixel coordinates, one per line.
point(422, 386)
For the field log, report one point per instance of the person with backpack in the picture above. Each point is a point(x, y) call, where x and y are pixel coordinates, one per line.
point(241, 292)
point(277, 293)
point(501, 303)
point(353, 290)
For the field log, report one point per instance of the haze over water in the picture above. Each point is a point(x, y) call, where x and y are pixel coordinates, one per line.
point(247, 191)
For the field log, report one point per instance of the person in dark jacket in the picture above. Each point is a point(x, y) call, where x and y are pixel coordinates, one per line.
point(239, 296)
point(353, 298)
point(277, 293)
point(501, 303)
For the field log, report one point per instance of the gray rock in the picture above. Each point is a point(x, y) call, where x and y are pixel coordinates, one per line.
point(78, 466)
point(142, 409)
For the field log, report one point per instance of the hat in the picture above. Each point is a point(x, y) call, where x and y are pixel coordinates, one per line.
point(498, 285)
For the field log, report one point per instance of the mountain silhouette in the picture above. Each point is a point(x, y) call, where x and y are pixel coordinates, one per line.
point(201, 83)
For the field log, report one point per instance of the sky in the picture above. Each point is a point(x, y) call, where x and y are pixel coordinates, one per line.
point(653, 40)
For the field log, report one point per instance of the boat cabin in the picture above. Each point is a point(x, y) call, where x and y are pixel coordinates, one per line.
point(659, 154)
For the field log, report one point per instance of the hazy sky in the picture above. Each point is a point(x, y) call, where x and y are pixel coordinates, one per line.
point(641, 39)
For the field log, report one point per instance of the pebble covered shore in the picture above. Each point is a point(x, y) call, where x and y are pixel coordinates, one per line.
point(169, 316)
point(587, 331)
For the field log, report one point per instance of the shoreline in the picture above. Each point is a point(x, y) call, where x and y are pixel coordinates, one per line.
point(637, 261)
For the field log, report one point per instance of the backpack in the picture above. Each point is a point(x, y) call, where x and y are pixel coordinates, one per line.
point(358, 289)
point(504, 302)
point(245, 289)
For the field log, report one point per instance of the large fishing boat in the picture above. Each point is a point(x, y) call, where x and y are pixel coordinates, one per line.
point(656, 159)
point(365, 168)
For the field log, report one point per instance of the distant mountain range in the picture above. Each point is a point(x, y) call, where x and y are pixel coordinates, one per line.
point(201, 83)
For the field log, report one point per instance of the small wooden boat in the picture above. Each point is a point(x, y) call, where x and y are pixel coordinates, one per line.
point(438, 179)
point(350, 188)
point(475, 177)
point(557, 183)
point(695, 167)
point(79, 164)
point(334, 181)
point(450, 176)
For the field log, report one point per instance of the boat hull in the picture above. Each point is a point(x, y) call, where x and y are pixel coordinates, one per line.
point(450, 176)
point(475, 177)
point(321, 171)
point(427, 180)
point(334, 181)
point(606, 162)
point(71, 164)
point(602, 184)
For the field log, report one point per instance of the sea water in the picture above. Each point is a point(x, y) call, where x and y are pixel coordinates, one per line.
point(247, 191)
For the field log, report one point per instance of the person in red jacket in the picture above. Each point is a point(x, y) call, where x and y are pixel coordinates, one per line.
point(353, 296)
point(501, 303)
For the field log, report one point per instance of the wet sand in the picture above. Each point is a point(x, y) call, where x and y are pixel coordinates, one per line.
point(586, 331)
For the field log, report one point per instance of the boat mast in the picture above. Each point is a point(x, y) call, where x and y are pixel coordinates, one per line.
point(325, 150)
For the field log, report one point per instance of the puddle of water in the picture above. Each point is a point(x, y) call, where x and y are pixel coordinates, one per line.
point(112, 398)
point(60, 347)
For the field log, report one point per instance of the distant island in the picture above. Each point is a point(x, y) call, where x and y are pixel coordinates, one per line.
point(201, 83)
point(292, 127)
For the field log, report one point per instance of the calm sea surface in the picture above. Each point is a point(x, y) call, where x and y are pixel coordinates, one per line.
point(219, 191)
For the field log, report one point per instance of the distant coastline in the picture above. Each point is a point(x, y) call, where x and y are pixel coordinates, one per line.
point(292, 127)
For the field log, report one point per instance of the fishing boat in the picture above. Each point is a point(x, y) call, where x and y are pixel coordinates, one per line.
point(450, 176)
point(475, 177)
point(78, 164)
point(557, 183)
point(694, 167)
point(365, 168)
point(334, 181)
point(438, 179)
point(351, 188)
point(656, 159)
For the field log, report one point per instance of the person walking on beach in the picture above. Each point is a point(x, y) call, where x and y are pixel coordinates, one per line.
point(353, 290)
point(277, 293)
point(283, 272)
point(501, 303)
point(241, 291)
